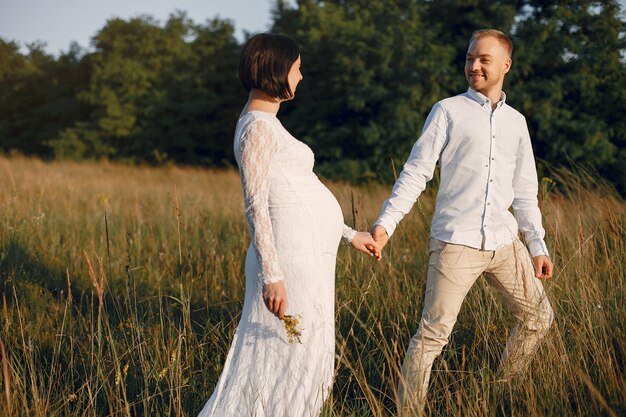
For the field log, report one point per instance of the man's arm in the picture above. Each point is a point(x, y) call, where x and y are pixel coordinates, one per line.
point(526, 206)
point(417, 171)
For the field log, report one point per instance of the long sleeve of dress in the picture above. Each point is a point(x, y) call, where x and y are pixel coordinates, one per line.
point(348, 233)
point(257, 148)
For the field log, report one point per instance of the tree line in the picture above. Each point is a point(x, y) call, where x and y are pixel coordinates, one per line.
point(152, 92)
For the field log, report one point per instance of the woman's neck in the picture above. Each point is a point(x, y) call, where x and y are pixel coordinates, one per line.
point(259, 101)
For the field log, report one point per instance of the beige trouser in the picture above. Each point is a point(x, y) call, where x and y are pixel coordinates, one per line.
point(452, 270)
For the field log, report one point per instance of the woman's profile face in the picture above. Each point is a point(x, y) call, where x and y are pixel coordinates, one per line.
point(294, 76)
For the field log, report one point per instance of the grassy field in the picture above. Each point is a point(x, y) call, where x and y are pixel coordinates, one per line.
point(121, 288)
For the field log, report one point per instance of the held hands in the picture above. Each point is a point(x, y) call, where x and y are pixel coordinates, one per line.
point(364, 242)
point(380, 236)
point(543, 267)
point(275, 298)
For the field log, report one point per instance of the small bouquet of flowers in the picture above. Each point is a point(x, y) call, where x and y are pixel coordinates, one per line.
point(291, 327)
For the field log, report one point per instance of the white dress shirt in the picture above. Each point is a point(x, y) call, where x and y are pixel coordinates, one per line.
point(487, 166)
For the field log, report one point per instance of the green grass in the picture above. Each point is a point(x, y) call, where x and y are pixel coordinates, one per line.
point(145, 332)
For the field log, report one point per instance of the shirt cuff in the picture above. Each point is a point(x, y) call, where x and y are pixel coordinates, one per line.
point(537, 247)
point(387, 223)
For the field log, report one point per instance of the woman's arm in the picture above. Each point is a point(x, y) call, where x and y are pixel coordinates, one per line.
point(257, 149)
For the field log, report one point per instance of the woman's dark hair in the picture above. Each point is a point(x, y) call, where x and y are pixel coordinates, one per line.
point(265, 62)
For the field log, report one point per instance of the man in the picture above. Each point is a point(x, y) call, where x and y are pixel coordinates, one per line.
point(487, 166)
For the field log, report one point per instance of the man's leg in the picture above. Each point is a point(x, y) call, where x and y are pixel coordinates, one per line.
point(512, 273)
point(452, 270)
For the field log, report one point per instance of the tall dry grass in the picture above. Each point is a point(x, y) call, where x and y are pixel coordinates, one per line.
point(121, 288)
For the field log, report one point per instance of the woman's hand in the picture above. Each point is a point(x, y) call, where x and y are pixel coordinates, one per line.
point(275, 298)
point(364, 242)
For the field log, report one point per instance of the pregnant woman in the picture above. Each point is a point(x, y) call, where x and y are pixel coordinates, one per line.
point(295, 226)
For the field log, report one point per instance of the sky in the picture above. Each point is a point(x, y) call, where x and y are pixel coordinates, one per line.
point(59, 22)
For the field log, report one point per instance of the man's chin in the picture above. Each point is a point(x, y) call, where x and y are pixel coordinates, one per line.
point(475, 86)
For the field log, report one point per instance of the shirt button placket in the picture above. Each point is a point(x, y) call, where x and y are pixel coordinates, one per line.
point(490, 163)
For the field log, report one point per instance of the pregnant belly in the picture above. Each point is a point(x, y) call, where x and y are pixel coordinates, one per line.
point(306, 220)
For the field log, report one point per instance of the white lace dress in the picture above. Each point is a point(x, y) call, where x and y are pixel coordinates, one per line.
point(295, 225)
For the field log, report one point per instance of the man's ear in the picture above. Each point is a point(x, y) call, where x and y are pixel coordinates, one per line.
point(507, 65)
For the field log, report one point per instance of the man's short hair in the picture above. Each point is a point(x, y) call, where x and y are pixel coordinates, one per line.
point(500, 36)
point(265, 62)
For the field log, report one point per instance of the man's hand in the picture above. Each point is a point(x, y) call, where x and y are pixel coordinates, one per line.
point(543, 267)
point(364, 242)
point(380, 235)
point(275, 298)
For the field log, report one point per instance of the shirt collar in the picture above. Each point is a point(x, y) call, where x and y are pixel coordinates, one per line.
point(483, 100)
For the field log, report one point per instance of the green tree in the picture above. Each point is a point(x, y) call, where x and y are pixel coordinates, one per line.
point(38, 96)
point(368, 81)
point(372, 71)
point(129, 60)
point(160, 93)
point(569, 79)
point(202, 99)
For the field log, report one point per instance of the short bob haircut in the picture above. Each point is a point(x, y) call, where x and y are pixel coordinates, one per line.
point(505, 41)
point(265, 62)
